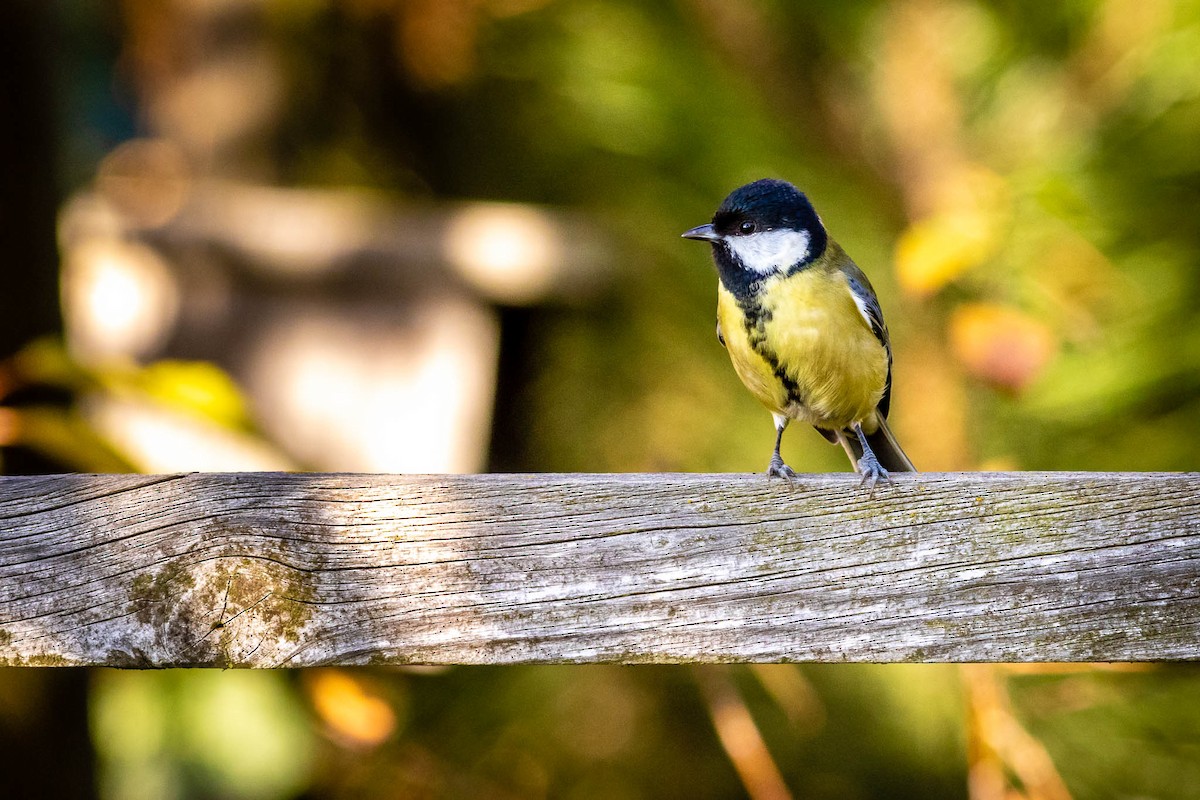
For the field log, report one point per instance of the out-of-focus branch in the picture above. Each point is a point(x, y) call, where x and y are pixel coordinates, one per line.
point(996, 744)
point(739, 735)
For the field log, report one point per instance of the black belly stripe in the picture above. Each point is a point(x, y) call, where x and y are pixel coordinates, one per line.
point(756, 319)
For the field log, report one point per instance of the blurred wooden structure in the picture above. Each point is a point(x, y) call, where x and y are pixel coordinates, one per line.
point(290, 570)
point(364, 332)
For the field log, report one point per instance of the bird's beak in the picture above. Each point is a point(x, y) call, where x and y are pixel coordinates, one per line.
point(703, 233)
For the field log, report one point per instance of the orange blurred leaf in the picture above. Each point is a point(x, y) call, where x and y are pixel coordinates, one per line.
point(1001, 345)
point(352, 712)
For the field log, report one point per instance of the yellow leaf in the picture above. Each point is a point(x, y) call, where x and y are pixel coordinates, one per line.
point(969, 207)
point(936, 250)
point(198, 387)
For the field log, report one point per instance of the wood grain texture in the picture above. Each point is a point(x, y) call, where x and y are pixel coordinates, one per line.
point(271, 570)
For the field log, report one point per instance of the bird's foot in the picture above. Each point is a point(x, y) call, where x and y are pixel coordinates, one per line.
point(778, 469)
point(872, 471)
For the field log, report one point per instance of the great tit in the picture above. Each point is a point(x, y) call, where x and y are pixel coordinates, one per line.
point(802, 325)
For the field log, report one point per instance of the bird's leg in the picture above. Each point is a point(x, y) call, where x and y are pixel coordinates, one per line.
point(777, 468)
point(868, 465)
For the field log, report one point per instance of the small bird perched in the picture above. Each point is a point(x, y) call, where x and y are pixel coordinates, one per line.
point(802, 325)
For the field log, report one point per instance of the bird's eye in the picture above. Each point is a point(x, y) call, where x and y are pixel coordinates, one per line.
point(747, 227)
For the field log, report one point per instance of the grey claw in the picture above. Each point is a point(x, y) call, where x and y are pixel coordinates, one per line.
point(778, 469)
point(872, 473)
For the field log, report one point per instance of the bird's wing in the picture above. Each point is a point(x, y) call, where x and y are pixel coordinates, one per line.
point(868, 305)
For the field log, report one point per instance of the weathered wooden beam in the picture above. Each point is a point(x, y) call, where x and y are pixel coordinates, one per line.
point(272, 570)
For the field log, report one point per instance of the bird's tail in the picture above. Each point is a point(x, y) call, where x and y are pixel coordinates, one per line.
point(883, 443)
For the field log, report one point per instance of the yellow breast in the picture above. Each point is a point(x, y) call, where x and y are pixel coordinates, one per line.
point(805, 350)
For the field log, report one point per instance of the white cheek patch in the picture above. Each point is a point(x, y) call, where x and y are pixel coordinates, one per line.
point(770, 251)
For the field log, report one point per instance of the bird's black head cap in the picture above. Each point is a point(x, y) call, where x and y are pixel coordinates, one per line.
point(761, 229)
point(769, 204)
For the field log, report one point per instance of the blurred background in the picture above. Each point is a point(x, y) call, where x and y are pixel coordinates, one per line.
point(443, 236)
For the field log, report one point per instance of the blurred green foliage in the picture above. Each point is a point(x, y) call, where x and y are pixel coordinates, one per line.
point(80, 432)
point(194, 733)
point(1118, 735)
point(1034, 159)
point(1020, 180)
